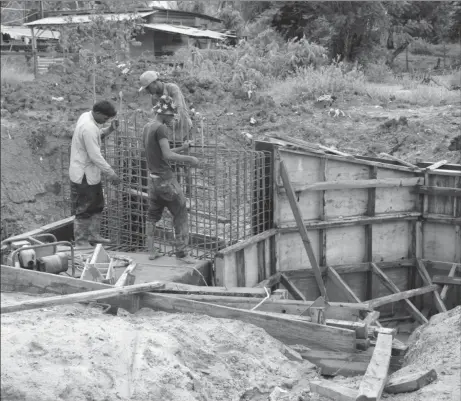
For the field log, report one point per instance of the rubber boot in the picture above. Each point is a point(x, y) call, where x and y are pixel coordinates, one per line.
point(81, 232)
point(95, 228)
point(153, 252)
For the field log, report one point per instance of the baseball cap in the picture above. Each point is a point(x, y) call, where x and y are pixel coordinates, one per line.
point(147, 78)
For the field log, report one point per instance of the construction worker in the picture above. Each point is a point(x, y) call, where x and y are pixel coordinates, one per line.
point(181, 130)
point(181, 127)
point(86, 165)
point(164, 189)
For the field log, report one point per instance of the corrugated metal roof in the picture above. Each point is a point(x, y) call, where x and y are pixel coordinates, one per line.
point(85, 18)
point(17, 32)
point(188, 31)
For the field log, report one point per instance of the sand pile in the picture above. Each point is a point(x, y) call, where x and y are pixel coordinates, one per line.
point(75, 352)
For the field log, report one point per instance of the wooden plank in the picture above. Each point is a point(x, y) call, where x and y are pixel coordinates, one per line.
point(355, 363)
point(355, 268)
point(446, 280)
point(287, 226)
point(372, 384)
point(389, 284)
point(282, 328)
point(269, 282)
point(123, 279)
point(302, 229)
point(288, 284)
point(335, 310)
point(340, 283)
point(80, 297)
point(335, 151)
point(357, 160)
point(427, 281)
point(399, 383)
point(323, 233)
point(450, 173)
point(443, 293)
point(439, 191)
point(371, 318)
point(361, 329)
point(180, 288)
point(358, 184)
point(375, 303)
point(436, 264)
point(250, 241)
point(442, 219)
point(371, 211)
point(333, 390)
point(405, 163)
point(240, 267)
point(29, 281)
point(436, 165)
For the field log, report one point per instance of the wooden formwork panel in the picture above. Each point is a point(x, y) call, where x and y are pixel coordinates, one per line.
point(399, 199)
point(291, 253)
point(391, 241)
point(441, 242)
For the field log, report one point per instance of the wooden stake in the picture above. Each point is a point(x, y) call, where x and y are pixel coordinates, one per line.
point(427, 281)
point(82, 297)
point(302, 229)
point(443, 294)
point(389, 284)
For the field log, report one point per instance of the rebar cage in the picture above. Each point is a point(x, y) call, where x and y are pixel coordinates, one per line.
point(228, 200)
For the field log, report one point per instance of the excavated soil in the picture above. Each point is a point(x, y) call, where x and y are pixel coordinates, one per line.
point(75, 352)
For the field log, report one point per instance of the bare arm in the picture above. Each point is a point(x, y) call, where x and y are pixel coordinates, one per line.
point(169, 155)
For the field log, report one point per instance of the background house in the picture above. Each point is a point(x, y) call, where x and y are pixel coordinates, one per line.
point(165, 30)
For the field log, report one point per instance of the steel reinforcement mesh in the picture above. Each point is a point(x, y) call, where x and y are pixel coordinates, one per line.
point(228, 200)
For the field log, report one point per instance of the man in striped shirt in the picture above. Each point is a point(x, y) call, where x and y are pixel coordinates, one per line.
point(86, 165)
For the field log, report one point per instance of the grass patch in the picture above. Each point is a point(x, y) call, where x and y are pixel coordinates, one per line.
point(13, 73)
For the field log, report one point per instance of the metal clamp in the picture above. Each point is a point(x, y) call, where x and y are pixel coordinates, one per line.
point(16, 252)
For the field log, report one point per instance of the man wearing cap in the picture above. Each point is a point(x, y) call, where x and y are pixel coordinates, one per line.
point(151, 82)
point(85, 167)
point(164, 189)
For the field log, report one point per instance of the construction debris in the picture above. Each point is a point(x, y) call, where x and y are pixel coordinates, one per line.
point(399, 383)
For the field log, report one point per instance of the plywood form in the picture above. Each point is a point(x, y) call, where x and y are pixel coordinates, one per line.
point(440, 242)
point(438, 204)
point(392, 200)
point(391, 241)
point(345, 245)
point(291, 253)
point(303, 169)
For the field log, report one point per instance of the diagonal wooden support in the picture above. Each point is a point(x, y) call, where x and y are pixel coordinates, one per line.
point(292, 289)
point(443, 294)
point(389, 284)
point(350, 295)
point(302, 229)
point(428, 281)
point(447, 280)
point(339, 282)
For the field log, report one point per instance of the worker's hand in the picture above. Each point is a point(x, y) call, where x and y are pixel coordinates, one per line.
point(114, 179)
point(194, 162)
point(187, 144)
point(114, 125)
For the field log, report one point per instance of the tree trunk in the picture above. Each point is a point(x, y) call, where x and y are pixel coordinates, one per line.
point(392, 56)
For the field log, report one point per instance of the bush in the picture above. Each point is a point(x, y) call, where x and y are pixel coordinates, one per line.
point(378, 73)
point(420, 46)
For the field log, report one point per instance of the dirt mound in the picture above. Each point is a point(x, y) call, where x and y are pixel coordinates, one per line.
point(77, 353)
